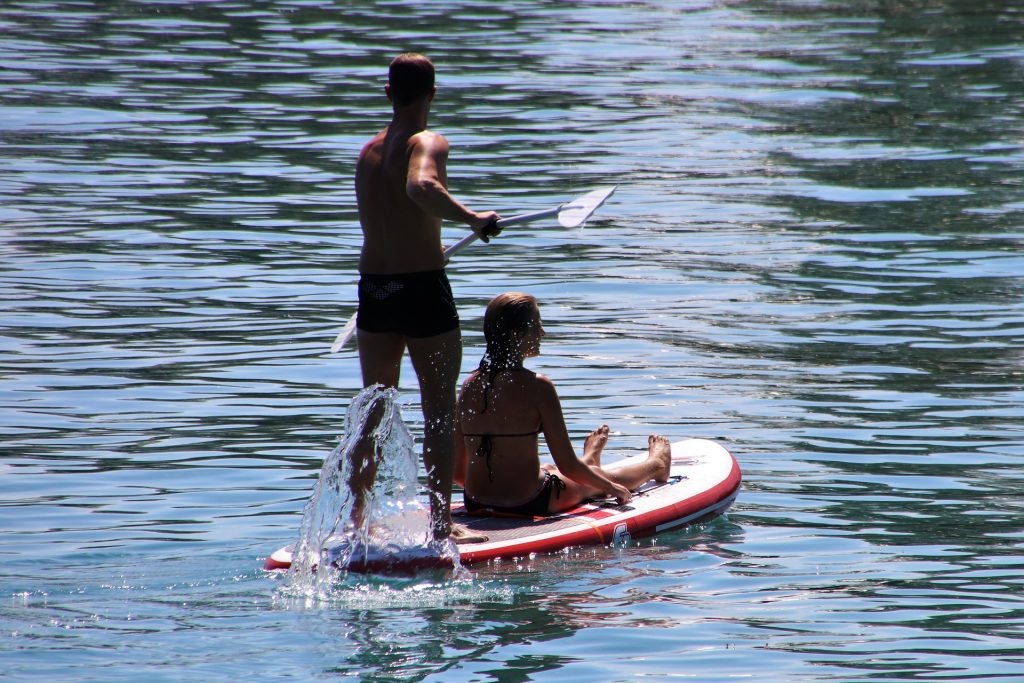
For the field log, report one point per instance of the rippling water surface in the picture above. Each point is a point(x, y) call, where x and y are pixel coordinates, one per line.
point(813, 256)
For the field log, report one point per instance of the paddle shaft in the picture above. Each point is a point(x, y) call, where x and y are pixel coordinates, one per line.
point(502, 224)
point(575, 213)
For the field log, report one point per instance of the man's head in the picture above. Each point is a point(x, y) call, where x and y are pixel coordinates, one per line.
point(410, 77)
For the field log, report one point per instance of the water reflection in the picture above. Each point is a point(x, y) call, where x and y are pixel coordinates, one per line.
point(921, 270)
point(813, 255)
point(414, 628)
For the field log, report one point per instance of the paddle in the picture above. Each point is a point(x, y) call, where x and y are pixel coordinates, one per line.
point(570, 214)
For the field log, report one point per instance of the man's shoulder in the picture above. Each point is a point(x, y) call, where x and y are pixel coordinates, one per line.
point(428, 134)
point(430, 140)
point(375, 143)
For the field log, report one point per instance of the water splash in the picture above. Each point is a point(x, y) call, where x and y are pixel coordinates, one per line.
point(389, 528)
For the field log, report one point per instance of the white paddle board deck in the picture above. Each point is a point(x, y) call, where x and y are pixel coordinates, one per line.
point(705, 479)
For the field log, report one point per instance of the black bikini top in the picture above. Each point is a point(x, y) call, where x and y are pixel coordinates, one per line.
point(486, 447)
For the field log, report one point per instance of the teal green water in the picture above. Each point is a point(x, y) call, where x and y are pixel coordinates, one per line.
point(813, 256)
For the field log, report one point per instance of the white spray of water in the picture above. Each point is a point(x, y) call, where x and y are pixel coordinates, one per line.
point(396, 518)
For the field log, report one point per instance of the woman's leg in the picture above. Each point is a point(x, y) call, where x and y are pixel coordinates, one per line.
point(631, 473)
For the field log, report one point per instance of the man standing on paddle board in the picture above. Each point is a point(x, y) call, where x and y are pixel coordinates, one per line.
point(405, 300)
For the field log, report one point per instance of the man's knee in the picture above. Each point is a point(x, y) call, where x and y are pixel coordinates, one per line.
point(440, 422)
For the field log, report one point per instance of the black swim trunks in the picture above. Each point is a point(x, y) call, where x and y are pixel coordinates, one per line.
point(538, 507)
point(411, 304)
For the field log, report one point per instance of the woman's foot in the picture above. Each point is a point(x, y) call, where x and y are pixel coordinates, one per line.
point(660, 450)
point(594, 445)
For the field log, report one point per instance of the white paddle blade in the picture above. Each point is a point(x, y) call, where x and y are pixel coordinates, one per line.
point(346, 333)
point(578, 210)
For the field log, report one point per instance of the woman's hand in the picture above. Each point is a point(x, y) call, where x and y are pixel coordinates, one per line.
point(621, 493)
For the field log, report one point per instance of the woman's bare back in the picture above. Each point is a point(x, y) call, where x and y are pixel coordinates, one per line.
point(500, 424)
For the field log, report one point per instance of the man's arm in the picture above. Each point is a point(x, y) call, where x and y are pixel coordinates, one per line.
point(426, 185)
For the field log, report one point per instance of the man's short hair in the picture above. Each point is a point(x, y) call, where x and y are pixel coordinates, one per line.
point(411, 76)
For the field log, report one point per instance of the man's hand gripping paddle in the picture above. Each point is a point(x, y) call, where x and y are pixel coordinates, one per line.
point(570, 214)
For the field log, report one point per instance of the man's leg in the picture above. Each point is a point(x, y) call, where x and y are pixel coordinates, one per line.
point(437, 361)
point(380, 357)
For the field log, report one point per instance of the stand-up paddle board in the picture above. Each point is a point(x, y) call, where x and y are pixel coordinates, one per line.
point(704, 481)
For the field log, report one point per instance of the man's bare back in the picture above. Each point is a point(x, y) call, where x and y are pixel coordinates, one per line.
point(399, 236)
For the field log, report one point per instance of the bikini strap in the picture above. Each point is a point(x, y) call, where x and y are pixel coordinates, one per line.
point(490, 435)
point(486, 448)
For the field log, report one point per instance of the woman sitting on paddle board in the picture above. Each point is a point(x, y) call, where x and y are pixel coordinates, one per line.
point(502, 409)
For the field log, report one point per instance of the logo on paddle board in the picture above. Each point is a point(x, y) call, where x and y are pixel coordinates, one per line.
point(620, 536)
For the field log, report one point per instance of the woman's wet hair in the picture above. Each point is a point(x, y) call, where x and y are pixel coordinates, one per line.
point(506, 321)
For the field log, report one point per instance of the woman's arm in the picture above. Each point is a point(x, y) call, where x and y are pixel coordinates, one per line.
point(461, 455)
point(560, 445)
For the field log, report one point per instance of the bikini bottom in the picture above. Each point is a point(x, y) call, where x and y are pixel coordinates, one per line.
point(537, 507)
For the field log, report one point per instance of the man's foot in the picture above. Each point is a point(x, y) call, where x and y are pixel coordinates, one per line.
point(660, 449)
point(461, 534)
point(594, 445)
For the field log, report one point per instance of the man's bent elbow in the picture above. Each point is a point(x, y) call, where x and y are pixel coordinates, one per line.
point(421, 191)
